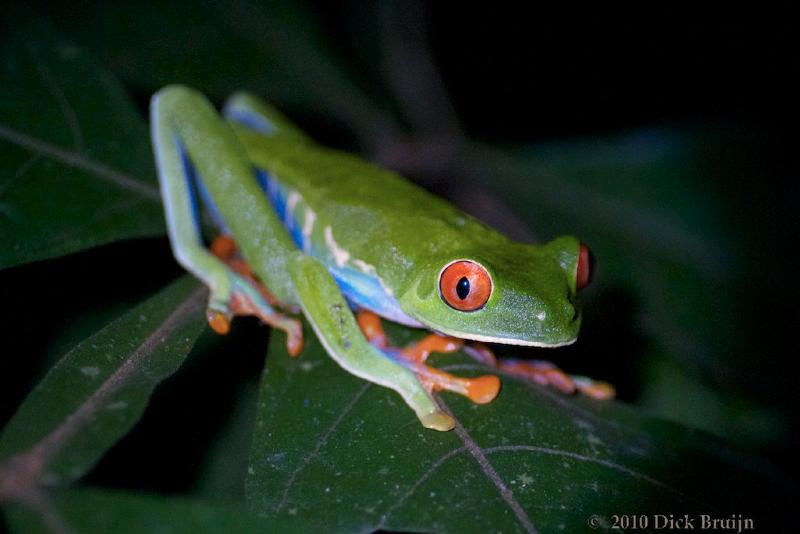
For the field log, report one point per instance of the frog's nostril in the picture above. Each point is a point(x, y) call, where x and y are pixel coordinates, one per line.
point(575, 314)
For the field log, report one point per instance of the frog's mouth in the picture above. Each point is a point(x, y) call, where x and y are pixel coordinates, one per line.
point(502, 340)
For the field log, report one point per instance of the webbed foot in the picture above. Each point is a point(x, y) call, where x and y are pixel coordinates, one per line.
point(243, 294)
point(480, 390)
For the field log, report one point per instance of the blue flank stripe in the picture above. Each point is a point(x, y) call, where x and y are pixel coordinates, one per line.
point(277, 197)
point(253, 121)
point(365, 292)
point(262, 177)
point(360, 289)
point(352, 286)
point(297, 233)
point(191, 182)
point(198, 190)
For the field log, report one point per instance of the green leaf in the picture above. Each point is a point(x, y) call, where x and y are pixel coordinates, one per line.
point(98, 390)
point(646, 203)
point(275, 49)
point(344, 455)
point(76, 169)
point(93, 510)
point(222, 478)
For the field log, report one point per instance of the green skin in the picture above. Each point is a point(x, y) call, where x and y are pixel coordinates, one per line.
point(363, 218)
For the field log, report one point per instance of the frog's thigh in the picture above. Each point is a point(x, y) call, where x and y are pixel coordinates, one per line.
point(184, 122)
point(176, 180)
point(337, 330)
point(181, 119)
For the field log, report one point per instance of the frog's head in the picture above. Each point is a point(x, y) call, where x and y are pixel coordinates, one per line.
point(517, 294)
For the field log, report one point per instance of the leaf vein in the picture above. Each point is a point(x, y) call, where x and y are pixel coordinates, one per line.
point(70, 117)
point(33, 461)
point(580, 457)
point(320, 443)
point(79, 161)
point(557, 398)
point(21, 171)
point(490, 472)
point(413, 488)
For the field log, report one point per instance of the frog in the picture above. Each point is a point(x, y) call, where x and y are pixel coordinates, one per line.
point(302, 229)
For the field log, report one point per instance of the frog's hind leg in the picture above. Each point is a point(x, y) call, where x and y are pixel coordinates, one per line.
point(224, 247)
point(179, 118)
point(481, 390)
point(243, 304)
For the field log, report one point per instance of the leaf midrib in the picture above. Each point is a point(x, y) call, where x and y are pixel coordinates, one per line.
point(30, 464)
point(80, 161)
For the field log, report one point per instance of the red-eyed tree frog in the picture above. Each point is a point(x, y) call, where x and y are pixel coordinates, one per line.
point(307, 229)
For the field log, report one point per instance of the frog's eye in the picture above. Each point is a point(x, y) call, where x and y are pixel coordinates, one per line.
point(465, 285)
point(585, 267)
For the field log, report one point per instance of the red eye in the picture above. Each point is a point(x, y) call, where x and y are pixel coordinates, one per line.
point(585, 267)
point(465, 285)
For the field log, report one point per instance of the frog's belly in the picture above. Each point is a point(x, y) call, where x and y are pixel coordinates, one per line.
point(360, 283)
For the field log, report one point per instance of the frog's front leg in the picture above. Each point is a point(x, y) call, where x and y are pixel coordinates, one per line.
point(547, 374)
point(336, 328)
point(480, 390)
point(538, 371)
point(181, 120)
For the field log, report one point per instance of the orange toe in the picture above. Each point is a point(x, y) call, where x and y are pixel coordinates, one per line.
point(483, 389)
point(223, 247)
point(561, 381)
point(219, 322)
point(597, 390)
point(294, 339)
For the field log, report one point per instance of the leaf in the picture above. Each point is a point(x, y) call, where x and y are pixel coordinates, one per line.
point(637, 199)
point(222, 478)
point(93, 510)
point(98, 390)
point(345, 455)
point(646, 203)
point(275, 49)
point(76, 168)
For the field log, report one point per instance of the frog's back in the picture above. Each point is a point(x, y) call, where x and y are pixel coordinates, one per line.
point(331, 179)
point(370, 227)
point(373, 214)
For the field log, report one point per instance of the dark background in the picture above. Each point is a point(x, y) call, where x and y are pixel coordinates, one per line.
point(440, 78)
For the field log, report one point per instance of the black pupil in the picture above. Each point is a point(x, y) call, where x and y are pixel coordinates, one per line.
point(462, 288)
